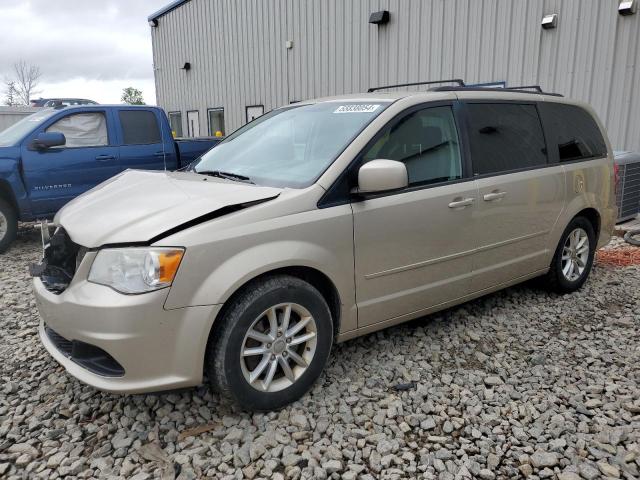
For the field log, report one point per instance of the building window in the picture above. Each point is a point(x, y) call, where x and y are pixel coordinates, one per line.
point(254, 111)
point(216, 122)
point(175, 121)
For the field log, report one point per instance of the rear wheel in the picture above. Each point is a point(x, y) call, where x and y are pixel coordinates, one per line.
point(8, 224)
point(272, 345)
point(573, 258)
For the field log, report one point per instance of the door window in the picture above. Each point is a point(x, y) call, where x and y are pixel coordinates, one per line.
point(175, 120)
point(139, 127)
point(216, 122)
point(193, 123)
point(82, 130)
point(574, 132)
point(505, 137)
point(426, 141)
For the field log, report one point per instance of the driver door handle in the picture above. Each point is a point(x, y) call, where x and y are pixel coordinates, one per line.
point(461, 202)
point(105, 158)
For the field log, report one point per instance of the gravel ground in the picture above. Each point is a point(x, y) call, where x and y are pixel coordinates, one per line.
point(518, 384)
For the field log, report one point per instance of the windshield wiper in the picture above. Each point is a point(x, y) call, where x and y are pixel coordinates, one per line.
point(236, 177)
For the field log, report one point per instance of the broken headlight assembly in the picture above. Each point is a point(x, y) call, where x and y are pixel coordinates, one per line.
point(136, 269)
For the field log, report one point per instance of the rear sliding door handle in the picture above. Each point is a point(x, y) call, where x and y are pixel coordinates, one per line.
point(461, 202)
point(490, 197)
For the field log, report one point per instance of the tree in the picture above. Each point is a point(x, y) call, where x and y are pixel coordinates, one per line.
point(25, 81)
point(132, 96)
point(10, 93)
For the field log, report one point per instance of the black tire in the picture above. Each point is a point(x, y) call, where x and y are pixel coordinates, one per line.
point(556, 280)
point(9, 215)
point(223, 364)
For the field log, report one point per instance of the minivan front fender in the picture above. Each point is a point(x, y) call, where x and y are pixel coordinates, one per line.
point(211, 273)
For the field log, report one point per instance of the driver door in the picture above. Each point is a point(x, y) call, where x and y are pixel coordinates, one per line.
point(56, 175)
point(413, 248)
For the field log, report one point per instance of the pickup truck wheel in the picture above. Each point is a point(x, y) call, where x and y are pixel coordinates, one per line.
point(8, 225)
point(272, 345)
point(574, 255)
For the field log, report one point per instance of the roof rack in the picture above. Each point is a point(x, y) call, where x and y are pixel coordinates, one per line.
point(459, 81)
point(537, 88)
point(501, 90)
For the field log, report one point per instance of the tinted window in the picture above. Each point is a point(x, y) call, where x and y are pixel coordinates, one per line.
point(574, 132)
point(139, 127)
point(82, 130)
point(426, 141)
point(505, 136)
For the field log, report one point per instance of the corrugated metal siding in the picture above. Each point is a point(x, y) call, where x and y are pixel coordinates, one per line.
point(11, 115)
point(238, 57)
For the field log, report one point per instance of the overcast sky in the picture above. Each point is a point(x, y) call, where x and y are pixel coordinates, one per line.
point(84, 48)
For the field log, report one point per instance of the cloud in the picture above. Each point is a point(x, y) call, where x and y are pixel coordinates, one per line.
point(101, 43)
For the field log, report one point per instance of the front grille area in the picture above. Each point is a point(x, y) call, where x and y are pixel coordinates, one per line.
point(86, 355)
point(61, 258)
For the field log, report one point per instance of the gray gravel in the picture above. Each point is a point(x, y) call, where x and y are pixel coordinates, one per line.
point(520, 383)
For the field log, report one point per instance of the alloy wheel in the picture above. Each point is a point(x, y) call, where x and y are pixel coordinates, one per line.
point(575, 254)
point(4, 225)
point(278, 347)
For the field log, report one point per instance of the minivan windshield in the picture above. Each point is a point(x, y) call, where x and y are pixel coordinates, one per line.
point(16, 132)
point(292, 146)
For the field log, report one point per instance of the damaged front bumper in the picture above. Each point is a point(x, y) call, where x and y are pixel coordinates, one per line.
point(111, 341)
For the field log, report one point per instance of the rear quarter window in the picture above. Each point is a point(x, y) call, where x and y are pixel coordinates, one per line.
point(139, 127)
point(505, 137)
point(574, 134)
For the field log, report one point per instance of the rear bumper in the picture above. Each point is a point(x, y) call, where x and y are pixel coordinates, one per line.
point(157, 349)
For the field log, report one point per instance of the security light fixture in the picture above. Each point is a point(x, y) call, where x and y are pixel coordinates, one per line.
point(549, 21)
point(379, 18)
point(153, 22)
point(628, 7)
point(186, 66)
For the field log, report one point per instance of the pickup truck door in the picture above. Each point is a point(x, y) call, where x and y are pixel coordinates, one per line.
point(145, 140)
point(56, 175)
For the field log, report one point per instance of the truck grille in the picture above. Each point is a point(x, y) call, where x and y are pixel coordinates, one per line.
point(628, 194)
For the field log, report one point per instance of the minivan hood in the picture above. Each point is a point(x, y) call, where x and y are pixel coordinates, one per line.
point(137, 206)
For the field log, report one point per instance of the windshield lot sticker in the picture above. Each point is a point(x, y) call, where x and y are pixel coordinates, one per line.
point(356, 109)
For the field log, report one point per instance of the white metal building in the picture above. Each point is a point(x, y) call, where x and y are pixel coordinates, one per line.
point(219, 63)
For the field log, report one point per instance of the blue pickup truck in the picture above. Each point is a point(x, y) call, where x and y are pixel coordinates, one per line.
point(56, 154)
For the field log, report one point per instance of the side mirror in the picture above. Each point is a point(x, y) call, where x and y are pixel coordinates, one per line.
point(382, 176)
point(47, 140)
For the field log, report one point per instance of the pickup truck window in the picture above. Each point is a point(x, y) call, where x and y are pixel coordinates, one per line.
point(16, 132)
point(139, 127)
point(291, 147)
point(82, 130)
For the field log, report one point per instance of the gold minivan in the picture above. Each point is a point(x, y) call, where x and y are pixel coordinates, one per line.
point(313, 224)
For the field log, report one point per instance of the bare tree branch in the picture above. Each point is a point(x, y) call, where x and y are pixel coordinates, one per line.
point(27, 78)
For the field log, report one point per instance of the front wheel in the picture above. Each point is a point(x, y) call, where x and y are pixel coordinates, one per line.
point(8, 224)
point(272, 345)
point(573, 258)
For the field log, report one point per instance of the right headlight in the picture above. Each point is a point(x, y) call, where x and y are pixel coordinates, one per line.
point(136, 269)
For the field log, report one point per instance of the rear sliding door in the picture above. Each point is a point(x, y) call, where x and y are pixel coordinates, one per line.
point(520, 194)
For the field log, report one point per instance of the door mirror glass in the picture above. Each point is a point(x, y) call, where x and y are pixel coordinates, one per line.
point(382, 176)
point(47, 140)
